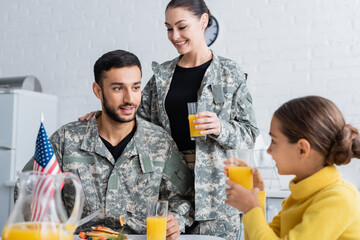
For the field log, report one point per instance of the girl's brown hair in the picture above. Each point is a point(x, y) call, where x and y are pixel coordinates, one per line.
point(321, 123)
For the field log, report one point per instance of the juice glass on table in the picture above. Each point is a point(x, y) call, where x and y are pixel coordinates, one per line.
point(193, 109)
point(156, 220)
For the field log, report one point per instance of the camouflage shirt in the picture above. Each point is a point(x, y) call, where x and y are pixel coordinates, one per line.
point(225, 93)
point(150, 167)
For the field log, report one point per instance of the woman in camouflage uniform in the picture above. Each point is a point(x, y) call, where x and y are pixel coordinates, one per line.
point(199, 75)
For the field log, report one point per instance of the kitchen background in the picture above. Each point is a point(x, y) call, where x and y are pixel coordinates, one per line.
point(288, 48)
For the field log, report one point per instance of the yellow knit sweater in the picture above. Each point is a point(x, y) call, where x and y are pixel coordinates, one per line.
point(320, 207)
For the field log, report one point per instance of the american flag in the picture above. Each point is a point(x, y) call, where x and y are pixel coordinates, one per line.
point(44, 162)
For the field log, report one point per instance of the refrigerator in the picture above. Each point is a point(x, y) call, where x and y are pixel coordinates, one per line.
point(20, 112)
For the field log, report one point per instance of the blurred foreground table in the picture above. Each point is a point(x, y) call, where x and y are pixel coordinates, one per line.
point(182, 237)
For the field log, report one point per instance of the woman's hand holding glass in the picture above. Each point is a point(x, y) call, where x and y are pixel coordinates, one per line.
point(208, 122)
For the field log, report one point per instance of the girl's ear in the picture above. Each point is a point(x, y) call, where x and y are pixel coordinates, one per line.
point(97, 90)
point(304, 148)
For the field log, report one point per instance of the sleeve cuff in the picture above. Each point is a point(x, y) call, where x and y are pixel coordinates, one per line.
point(255, 222)
point(180, 221)
point(222, 138)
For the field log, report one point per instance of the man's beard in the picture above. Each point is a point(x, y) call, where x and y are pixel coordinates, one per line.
point(111, 111)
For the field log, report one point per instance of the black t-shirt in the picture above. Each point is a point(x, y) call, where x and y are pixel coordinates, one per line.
point(183, 89)
point(117, 150)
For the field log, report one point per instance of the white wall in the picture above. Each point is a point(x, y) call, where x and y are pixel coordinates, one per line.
point(288, 48)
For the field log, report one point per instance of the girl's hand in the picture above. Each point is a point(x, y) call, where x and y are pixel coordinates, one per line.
point(233, 162)
point(258, 180)
point(240, 198)
point(87, 116)
point(209, 122)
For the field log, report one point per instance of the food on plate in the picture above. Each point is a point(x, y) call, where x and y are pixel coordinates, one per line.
point(99, 232)
point(104, 233)
point(82, 235)
point(122, 220)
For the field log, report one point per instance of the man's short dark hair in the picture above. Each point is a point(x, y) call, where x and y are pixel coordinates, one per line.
point(114, 59)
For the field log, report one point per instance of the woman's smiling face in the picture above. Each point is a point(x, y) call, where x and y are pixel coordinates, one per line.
point(185, 30)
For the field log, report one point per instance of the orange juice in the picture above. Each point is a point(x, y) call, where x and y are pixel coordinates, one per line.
point(194, 132)
point(35, 231)
point(262, 199)
point(156, 228)
point(241, 175)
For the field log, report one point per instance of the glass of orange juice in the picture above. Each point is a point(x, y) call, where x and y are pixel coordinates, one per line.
point(193, 109)
point(240, 162)
point(156, 220)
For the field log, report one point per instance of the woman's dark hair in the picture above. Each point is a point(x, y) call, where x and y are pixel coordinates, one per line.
point(114, 59)
point(320, 122)
point(197, 7)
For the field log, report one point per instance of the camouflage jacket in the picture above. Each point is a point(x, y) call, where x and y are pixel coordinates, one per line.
point(150, 167)
point(225, 93)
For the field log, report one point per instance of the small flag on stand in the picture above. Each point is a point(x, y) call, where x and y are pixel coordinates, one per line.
point(44, 162)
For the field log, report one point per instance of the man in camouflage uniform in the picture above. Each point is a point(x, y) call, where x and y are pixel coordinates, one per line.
point(225, 93)
point(122, 180)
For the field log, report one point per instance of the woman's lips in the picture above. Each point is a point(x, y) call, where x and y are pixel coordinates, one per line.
point(180, 44)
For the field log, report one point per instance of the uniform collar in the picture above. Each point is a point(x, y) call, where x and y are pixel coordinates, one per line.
point(310, 185)
point(141, 148)
point(166, 70)
point(164, 73)
point(92, 142)
point(136, 147)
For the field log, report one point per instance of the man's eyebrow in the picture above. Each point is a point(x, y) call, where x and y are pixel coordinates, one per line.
point(117, 83)
point(122, 84)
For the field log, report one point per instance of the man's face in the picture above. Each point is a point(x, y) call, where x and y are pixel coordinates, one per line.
point(121, 93)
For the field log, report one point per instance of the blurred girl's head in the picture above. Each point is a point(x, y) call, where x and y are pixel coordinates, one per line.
point(186, 22)
point(318, 121)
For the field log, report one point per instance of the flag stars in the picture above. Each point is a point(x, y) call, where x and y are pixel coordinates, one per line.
point(43, 150)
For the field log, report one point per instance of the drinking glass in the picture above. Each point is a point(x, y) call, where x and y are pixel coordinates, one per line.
point(238, 172)
point(193, 109)
point(39, 212)
point(156, 220)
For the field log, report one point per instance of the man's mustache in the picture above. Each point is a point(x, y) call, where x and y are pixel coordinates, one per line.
point(128, 105)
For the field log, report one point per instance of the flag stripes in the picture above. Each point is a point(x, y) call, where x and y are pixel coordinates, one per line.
point(44, 162)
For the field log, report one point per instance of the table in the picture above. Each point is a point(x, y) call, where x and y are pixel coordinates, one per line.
point(182, 237)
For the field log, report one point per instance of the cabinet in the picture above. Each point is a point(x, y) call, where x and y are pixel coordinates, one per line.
point(19, 124)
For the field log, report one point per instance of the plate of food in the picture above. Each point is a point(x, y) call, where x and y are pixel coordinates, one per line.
point(105, 233)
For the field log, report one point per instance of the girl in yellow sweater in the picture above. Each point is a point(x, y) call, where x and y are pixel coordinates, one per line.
point(308, 136)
